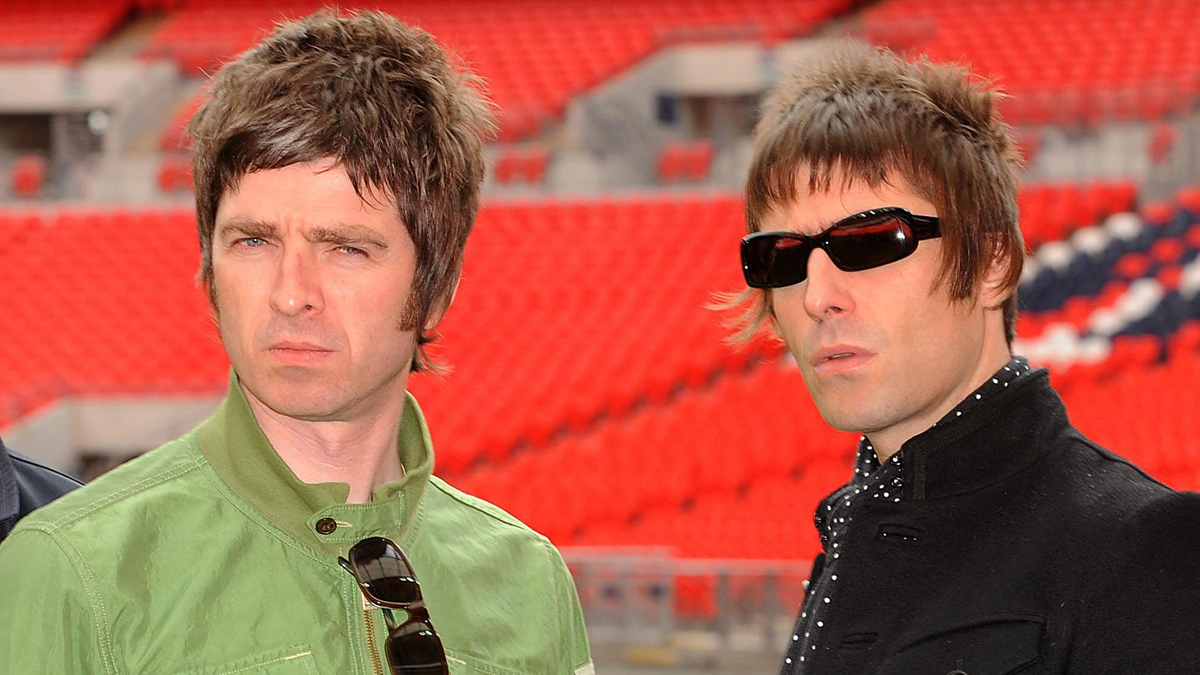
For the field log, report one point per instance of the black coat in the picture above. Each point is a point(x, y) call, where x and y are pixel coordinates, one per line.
point(1019, 546)
point(25, 485)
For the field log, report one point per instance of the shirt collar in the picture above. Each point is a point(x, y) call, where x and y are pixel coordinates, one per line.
point(10, 498)
point(1002, 435)
point(867, 469)
point(236, 448)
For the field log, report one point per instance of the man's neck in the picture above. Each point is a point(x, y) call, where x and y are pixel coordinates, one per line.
point(362, 452)
point(887, 442)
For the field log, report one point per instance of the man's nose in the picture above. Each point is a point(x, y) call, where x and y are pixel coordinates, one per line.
point(297, 288)
point(825, 292)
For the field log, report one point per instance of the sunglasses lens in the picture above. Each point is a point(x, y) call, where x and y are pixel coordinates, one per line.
point(871, 243)
point(415, 649)
point(383, 572)
point(770, 260)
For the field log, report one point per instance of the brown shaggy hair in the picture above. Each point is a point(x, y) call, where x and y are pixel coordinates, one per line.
point(863, 113)
point(381, 99)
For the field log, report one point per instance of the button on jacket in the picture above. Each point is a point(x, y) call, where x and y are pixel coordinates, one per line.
point(1018, 546)
point(209, 556)
point(26, 485)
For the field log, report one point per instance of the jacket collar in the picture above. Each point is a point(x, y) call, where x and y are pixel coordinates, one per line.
point(236, 448)
point(10, 498)
point(1000, 437)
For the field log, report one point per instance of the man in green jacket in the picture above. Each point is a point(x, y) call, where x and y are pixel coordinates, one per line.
point(337, 172)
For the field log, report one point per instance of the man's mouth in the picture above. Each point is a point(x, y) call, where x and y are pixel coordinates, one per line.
point(839, 358)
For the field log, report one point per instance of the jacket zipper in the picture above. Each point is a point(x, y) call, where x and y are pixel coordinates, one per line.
point(371, 646)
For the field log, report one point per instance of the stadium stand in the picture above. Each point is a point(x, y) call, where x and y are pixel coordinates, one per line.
point(533, 55)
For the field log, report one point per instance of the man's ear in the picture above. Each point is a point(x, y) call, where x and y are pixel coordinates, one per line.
point(993, 290)
point(435, 317)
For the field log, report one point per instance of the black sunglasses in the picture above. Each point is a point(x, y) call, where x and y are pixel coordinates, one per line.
point(858, 242)
point(387, 580)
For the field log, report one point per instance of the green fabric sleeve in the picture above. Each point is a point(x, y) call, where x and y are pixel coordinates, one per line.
point(51, 617)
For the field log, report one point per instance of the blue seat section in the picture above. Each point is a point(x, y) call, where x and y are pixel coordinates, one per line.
point(1088, 273)
point(1164, 321)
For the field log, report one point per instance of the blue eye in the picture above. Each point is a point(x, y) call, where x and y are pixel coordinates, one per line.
point(253, 242)
point(352, 250)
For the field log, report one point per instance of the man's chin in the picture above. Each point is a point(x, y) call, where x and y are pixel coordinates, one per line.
point(299, 400)
point(847, 416)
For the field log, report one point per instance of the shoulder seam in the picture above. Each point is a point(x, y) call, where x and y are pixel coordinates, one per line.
point(1112, 457)
point(554, 558)
point(477, 504)
point(111, 498)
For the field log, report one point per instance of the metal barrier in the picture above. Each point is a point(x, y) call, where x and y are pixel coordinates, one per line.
point(646, 597)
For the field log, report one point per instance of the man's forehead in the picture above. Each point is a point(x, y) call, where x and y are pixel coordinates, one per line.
point(813, 210)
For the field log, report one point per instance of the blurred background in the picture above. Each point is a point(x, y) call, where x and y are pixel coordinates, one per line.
point(592, 394)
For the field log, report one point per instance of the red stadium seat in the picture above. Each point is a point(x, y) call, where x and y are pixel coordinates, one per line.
point(29, 175)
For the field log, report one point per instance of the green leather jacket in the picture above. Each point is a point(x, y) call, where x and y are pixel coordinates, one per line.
point(204, 557)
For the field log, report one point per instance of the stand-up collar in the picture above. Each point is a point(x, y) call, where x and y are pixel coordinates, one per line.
point(998, 439)
point(315, 513)
point(10, 498)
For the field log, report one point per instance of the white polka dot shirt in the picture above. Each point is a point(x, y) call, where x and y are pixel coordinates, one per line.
point(834, 515)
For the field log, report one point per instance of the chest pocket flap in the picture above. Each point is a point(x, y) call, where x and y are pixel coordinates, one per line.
point(993, 645)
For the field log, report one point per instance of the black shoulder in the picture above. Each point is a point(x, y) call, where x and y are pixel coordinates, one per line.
point(39, 484)
point(1145, 587)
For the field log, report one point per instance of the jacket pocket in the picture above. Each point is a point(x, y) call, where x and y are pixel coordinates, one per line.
point(295, 660)
point(1001, 644)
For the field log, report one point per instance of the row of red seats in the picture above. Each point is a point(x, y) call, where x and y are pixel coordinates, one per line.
point(609, 303)
point(1071, 61)
point(106, 302)
point(706, 442)
point(65, 30)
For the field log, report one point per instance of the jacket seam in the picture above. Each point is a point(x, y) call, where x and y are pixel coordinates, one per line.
point(92, 589)
point(114, 497)
point(467, 501)
point(1111, 457)
point(564, 636)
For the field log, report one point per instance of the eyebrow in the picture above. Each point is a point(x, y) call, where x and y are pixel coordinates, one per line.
point(346, 234)
point(341, 234)
point(246, 226)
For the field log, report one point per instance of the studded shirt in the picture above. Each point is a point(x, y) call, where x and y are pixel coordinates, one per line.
point(835, 513)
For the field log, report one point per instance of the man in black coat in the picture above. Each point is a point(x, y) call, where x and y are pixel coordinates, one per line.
point(981, 534)
point(25, 485)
